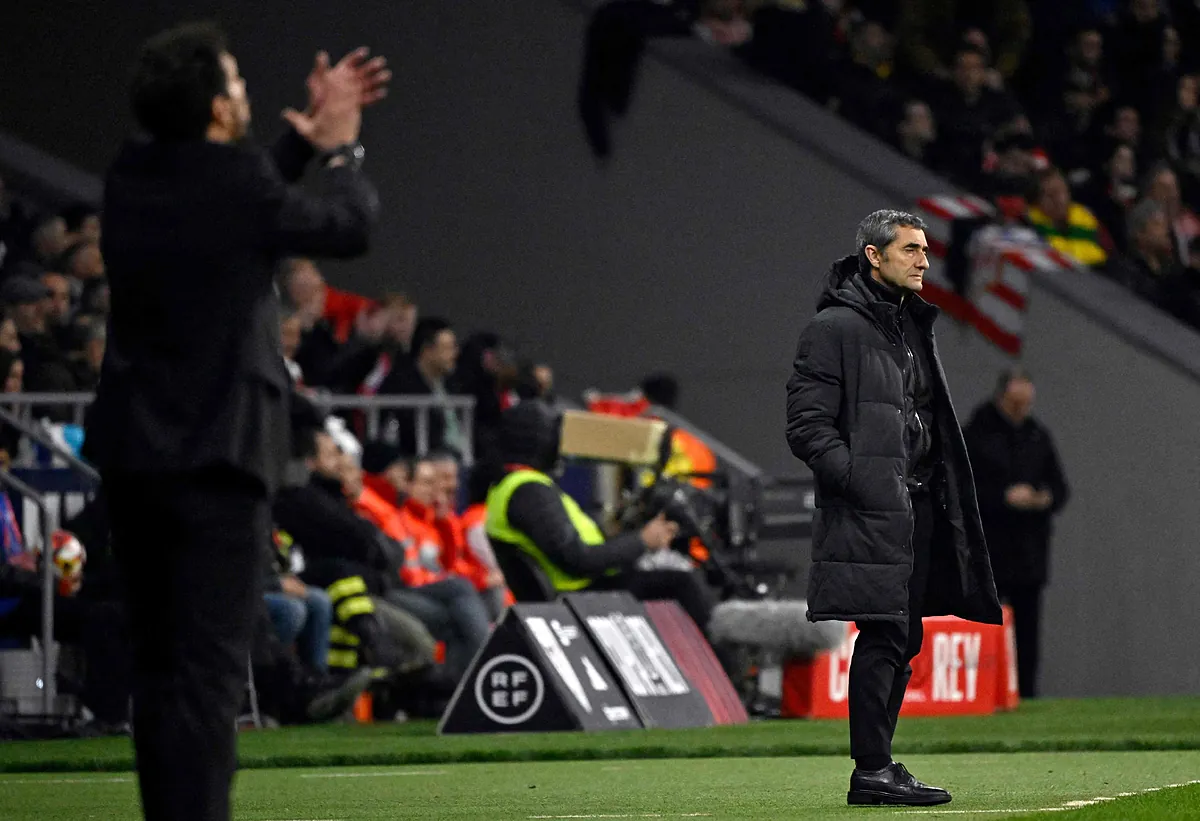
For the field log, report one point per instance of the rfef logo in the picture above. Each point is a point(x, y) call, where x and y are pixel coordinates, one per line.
point(509, 689)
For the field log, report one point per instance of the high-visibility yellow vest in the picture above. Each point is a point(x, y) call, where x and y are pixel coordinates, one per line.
point(499, 529)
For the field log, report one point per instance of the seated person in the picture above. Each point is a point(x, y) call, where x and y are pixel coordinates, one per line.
point(465, 548)
point(529, 513)
point(302, 614)
point(448, 605)
point(349, 557)
point(1067, 226)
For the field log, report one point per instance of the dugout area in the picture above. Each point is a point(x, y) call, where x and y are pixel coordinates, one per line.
point(1077, 759)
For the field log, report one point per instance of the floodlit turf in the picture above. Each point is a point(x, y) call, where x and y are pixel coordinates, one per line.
point(723, 789)
point(1049, 725)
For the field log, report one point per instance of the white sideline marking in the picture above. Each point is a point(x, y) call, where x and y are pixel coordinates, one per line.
point(632, 815)
point(121, 780)
point(1070, 805)
point(373, 775)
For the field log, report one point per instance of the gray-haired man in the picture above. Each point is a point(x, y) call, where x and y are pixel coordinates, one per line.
point(897, 534)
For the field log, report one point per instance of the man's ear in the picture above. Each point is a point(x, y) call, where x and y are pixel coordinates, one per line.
point(222, 110)
point(873, 255)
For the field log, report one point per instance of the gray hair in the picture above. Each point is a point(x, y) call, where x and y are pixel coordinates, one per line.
point(1140, 216)
point(879, 229)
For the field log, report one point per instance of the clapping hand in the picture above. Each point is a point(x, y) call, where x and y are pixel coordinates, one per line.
point(336, 97)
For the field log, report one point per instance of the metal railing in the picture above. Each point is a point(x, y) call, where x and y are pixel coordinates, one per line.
point(23, 406)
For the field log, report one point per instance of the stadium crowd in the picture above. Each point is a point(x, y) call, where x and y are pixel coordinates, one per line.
point(1080, 118)
point(379, 566)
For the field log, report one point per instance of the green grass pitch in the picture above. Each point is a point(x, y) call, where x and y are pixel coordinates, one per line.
point(1101, 760)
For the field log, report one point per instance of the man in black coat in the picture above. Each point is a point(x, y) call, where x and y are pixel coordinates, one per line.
point(897, 534)
point(190, 424)
point(1021, 486)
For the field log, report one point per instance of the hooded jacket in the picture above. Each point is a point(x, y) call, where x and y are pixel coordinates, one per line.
point(846, 419)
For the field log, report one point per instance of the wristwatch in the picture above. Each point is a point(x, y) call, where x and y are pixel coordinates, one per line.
point(351, 154)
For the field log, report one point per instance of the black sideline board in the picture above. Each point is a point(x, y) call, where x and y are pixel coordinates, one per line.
point(623, 631)
point(538, 672)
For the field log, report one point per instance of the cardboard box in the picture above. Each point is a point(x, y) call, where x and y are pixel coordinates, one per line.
point(611, 438)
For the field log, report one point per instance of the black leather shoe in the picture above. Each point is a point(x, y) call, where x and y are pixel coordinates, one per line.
point(892, 785)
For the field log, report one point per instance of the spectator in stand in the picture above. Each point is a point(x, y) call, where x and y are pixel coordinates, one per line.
point(12, 372)
point(87, 368)
point(484, 370)
point(47, 368)
point(1065, 225)
point(301, 613)
point(290, 331)
point(82, 222)
point(1111, 193)
point(1181, 134)
point(1150, 269)
point(434, 359)
point(379, 344)
point(58, 309)
point(10, 340)
point(1067, 109)
point(467, 552)
point(929, 27)
point(308, 293)
point(969, 114)
point(862, 88)
point(1021, 485)
point(1013, 168)
point(447, 605)
point(1162, 186)
point(1138, 47)
point(49, 240)
point(916, 134)
point(1123, 124)
point(83, 261)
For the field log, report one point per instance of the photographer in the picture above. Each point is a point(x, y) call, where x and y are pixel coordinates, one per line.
point(528, 512)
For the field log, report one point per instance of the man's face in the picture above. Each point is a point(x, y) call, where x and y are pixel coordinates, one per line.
point(918, 122)
point(903, 262)
point(1188, 92)
point(872, 45)
point(30, 317)
point(327, 463)
point(58, 302)
point(970, 72)
point(1144, 11)
point(1091, 48)
point(1018, 399)
point(447, 477)
point(9, 339)
point(1055, 198)
point(442, 352)
point(1155, 236)
point(15, 381)
point(352, 476)
point(50, 238)
point(424, 485)
point(1127, 125)
point(1124, 164)
point(306, 288)
point(402, 319)
point(289, 335)
point(231, 110)
point(1164, 189)
point(398, 477)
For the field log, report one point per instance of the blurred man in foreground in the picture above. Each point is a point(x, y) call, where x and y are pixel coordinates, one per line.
point(190, 424)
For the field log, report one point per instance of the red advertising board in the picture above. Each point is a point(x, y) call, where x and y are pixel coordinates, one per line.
point(964, 668)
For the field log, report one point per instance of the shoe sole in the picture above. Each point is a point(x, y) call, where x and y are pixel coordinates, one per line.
point(869, 798)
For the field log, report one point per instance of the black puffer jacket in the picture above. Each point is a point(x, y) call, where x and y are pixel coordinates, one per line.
point(846, 420)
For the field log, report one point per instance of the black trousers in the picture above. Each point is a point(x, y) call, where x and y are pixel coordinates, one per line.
point(1026, 603)
point(879, 668)
point(190, 548)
